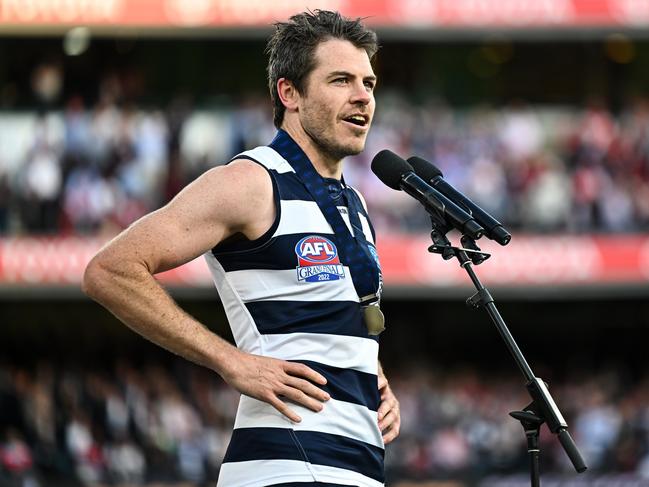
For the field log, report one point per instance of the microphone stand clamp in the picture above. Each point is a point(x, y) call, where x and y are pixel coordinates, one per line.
point(469, 252)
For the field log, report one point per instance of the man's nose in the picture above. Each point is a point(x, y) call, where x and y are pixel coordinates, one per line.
point(361, 94)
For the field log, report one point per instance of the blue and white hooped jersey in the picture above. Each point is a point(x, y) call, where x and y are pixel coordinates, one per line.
point(287, 295)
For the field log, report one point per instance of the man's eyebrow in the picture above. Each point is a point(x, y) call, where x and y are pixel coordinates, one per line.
point(370, 77)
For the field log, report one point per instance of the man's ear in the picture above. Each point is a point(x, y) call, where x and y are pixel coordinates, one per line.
point(288, 94)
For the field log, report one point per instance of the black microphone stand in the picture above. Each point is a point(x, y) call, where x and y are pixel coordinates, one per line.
point(542, 409)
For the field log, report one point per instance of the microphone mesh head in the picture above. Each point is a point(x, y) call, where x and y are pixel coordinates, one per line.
point(424, 169)
point(390, 168)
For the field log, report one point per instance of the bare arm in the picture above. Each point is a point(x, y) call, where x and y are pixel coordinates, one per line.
point(222, 202)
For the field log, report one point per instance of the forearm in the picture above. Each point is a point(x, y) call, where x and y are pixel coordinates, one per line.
point(132, 294)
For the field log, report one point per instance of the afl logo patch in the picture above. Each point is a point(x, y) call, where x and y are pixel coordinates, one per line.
point(317, 260)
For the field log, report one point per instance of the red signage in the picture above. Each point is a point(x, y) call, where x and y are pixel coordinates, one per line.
point(526, 261)
point(392, 13)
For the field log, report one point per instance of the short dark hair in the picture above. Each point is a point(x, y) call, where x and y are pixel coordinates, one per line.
point(292, 46)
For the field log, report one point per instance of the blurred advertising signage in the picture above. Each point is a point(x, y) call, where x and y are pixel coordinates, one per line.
point(527, 260)
point(393, 13)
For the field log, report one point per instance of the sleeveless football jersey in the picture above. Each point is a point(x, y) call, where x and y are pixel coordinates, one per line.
point(289, 296)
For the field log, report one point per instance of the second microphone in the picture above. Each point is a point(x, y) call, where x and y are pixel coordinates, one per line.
point(396, 173)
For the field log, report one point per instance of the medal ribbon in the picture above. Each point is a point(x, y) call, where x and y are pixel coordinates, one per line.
point(353, 249)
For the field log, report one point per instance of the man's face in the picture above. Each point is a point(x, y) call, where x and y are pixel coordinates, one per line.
point(337, 105)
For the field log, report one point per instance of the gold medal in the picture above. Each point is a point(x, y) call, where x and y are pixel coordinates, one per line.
point(374, 319)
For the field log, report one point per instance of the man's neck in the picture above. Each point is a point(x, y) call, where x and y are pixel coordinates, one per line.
point(325, 166)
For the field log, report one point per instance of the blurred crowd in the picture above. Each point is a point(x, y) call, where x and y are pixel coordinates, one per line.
point(129, 426)
point(455, 423)
point(169, 423)
point(86, 169)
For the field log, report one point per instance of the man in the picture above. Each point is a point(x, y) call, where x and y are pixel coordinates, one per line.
point(291, 251)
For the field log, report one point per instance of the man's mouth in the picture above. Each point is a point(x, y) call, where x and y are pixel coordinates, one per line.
point(357, 119)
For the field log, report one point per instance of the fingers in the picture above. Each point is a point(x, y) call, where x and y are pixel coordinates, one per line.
point(308, 388)
point(270, 380)
point(297, 396)
point(391, 434)
point(384, 408)
point(301, 398)
point(301, 370)
point(283, 409)
point(298, 386)
point(390, 425)
point(388, 402)
point(302, 390)
point(389, 417)
point(387, 420)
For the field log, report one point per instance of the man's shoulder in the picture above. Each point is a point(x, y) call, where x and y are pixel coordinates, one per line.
point(240, 194)
point(268, 158)
point(239, 175)
point(239, 190)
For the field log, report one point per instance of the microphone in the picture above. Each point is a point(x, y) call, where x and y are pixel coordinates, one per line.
point(396, 173)
point(429, 173)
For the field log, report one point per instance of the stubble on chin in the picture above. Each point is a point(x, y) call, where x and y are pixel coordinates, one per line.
point(332, 148)
point(323, 135)
point(340, 151)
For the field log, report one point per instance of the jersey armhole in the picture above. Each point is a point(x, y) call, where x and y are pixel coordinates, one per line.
point(243, 244)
